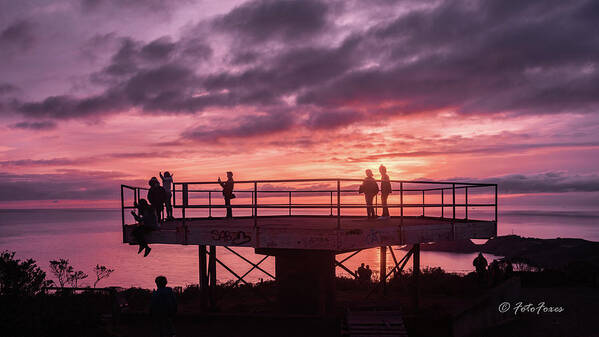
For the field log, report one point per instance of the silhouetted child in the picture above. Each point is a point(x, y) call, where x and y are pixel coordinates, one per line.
point(228, 192)
point(167, 182)
point(164, 307)
point(156, 197)
point(146, 223)
point(370, 188)
point(385, 191)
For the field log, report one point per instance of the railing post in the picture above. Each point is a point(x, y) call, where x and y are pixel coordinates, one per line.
point(123, 207)
point(401, 202)
point(331, 203)
point(466, 207)
point(495, 209)
point(422, 203)
point(255, 204)
point(210, 204)
point(442, 203)
point(289, 203)
point(174, 193)
point(453, 200)
point(185, 200)
point(338, 204)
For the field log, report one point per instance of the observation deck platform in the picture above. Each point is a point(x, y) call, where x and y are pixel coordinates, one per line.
point(306, 223)
point(315, 232)
point(326, 215)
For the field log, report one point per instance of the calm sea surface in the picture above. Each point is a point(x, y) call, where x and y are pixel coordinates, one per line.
point(90, 237)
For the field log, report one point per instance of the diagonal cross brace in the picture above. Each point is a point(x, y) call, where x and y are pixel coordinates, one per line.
point(340, 263)
point(239, 278)
point(250, 262)
point(404, 260)
point(249, 271)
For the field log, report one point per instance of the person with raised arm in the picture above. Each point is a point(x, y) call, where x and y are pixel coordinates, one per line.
point(228, 192)
point(167, 182)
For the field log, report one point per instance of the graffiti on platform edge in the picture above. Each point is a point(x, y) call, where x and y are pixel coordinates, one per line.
point(235, 238)
point(373, 237)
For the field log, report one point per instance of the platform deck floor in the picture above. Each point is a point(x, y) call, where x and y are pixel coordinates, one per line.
point(311, 222)
point(314, 232)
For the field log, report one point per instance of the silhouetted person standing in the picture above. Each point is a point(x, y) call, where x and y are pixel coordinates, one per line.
point(385, 191)
point(167, 182)
point(368, 273)
point(361, 272)
point(480, 263)
point(146, 223)
point(228, 192)
point(164, 307)
point(156, 197)
point(370, 188)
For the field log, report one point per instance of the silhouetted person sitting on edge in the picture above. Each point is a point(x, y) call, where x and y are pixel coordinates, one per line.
point(167, 182)
point(370, 188)
point(480, 263)
point(146, 223)
point(164, 307)
point(156, 197)
point(385, 191)
point(228, 192)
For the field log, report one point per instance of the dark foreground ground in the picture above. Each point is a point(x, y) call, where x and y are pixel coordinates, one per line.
point(552, 292)
point(447, 304)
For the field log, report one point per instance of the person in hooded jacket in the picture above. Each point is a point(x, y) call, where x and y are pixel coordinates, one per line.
point(156, 197)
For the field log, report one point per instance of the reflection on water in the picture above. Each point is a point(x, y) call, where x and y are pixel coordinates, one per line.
point(90, 237)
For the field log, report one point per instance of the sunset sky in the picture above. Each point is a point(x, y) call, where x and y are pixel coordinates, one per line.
point(95, 93)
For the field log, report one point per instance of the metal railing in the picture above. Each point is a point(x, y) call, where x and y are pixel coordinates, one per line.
point(182, 190)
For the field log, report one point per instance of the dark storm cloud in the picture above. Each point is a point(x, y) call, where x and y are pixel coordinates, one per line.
point(67, 185)
point(91, 6)
point(6, 88)
point(37, 126)
point(475, 57)
point(548, 182)
point(67, 107)
point(328, 119)
point(262, 20)
point(158, 50)
point(480, 57)
point(248, 126)
point(19, 35)
point(475, 150)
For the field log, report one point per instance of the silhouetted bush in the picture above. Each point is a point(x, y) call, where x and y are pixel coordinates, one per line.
point(20, 278)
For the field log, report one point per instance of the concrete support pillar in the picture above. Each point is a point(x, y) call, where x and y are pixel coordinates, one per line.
point(383, 268)
point(203, 277)
point(306, 280)
point(212, 276)
point(416, 273)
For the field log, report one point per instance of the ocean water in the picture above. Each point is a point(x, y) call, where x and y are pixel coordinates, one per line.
point(90, 237)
